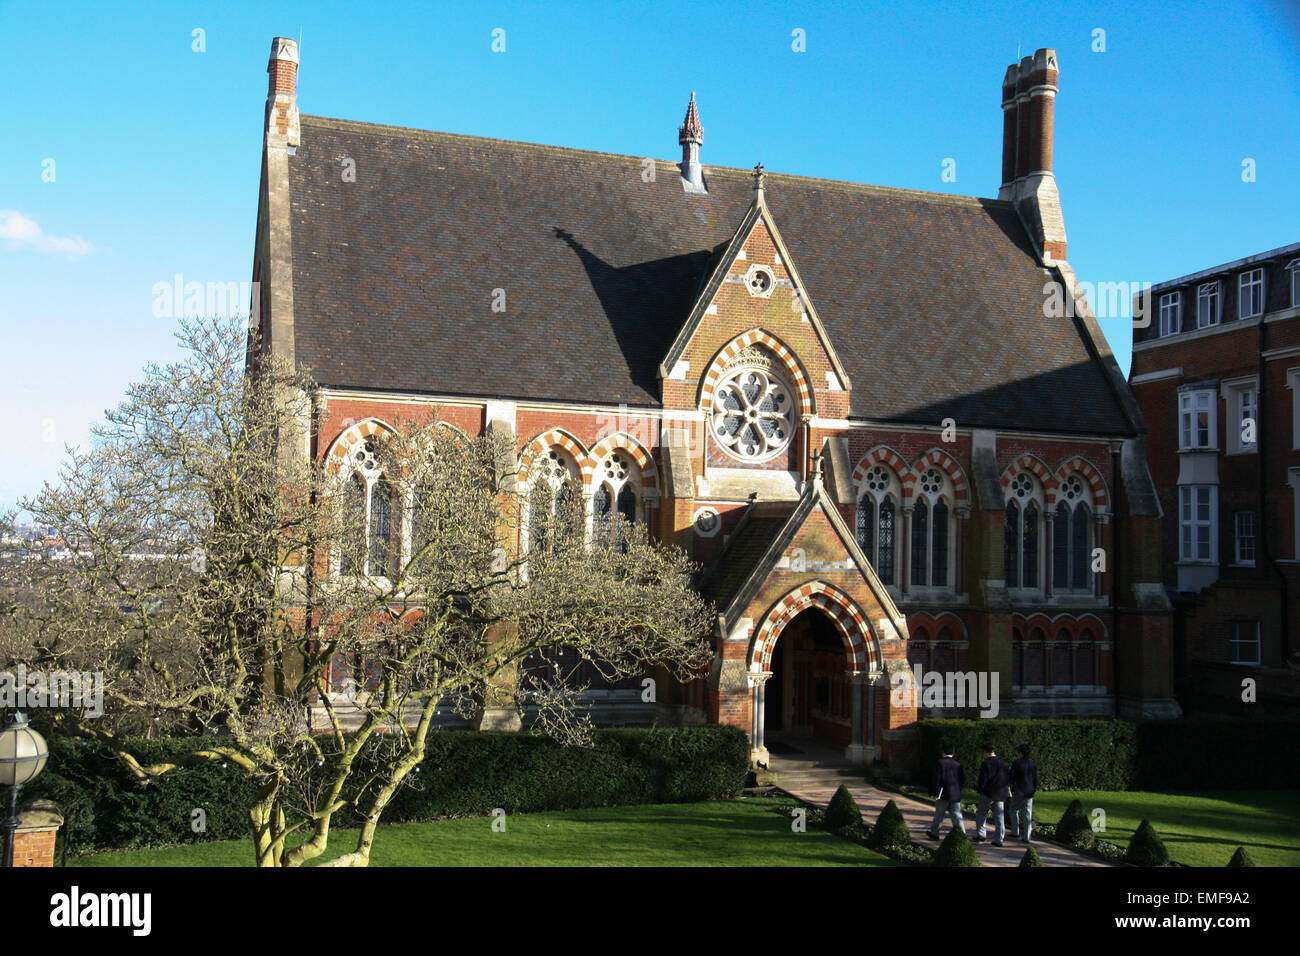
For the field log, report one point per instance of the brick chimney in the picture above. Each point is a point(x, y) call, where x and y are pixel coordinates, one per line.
point(691, 136)
point(282, 92)
point(1028, 122)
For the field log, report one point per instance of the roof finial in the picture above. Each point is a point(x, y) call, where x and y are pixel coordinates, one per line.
point(691, 130)
point(691, 135)
point(759, 175)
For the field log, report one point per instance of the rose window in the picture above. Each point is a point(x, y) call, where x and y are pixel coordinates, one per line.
point(932, 482)
point(878, 479)
point(1022, 486)
point(616, 468)
point(1073, 489)
point(753, 414)
point(554, 470)
point(364, 460)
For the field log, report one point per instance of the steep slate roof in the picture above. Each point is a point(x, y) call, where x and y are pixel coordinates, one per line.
point(934, 302)
point(737, 561)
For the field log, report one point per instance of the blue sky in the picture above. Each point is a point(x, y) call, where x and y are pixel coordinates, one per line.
point(156, 147)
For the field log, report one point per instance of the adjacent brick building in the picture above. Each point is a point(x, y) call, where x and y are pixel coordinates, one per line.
point(1216, 368)
point(851, 403)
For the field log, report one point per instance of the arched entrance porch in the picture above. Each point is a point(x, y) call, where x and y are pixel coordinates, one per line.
point(812, 666)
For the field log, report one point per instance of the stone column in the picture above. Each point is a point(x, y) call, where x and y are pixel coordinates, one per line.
point(758, 695)
point(958, 556)
point(856, 752)
point(905, 572)
point(1049, 533)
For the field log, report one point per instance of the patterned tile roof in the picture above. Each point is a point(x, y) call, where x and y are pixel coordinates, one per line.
point(934, 302)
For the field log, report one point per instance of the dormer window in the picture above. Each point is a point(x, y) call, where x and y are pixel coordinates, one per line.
point(1207, 305)
point(1171, 320)
point(1250, 300)
point(1294, 269)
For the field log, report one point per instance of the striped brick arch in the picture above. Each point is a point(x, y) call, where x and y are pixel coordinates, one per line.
point(624, 442)
point(1031, 464)
point(880, 455)
point(336, 459)
point(838, 606)
point(774, 345)
point(938, 458)
point(544, 442)
point(1091, 475)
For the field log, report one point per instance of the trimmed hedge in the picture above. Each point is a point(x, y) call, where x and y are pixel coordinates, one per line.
point(1146, 848)
point(956, 850)
point(842, 811)
point(465, 773)
point(1188, 754)
point(890, 829)
point(1031, 858)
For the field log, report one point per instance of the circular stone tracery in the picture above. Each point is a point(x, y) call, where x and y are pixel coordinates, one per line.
point(753, 414)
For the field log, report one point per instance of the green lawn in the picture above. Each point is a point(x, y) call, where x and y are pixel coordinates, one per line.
point(722, 833)
point(1200, 829)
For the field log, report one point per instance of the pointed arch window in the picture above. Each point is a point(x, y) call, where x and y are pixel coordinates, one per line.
point(877, 522)
point(932, 530)
point(1021, 553)
point(370, 508)
point(1072, 537)
point(616, 502)
point(554, 503)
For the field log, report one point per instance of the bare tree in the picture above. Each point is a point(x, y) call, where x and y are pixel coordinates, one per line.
point(217, 574)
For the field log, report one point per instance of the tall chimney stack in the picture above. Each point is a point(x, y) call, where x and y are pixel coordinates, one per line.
point(1028, 123)
point(282, 92)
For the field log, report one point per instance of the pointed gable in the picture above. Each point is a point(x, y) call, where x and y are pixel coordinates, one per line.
point(754, 296)
point(776, 546)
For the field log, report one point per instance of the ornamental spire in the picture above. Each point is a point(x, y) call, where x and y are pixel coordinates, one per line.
point(691, 131)
point(759, 176)
point(691, 135)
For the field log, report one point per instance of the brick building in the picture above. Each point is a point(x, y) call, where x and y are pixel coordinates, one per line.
point(850, 403)
point(1216, 368)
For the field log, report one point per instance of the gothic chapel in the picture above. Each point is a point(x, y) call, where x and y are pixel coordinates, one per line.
point(846, 401)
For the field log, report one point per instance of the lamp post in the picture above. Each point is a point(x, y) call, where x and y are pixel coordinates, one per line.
point(22, 756)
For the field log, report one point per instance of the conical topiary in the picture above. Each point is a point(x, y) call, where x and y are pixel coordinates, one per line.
point(1241, 858)
point(842, 811)
point(956, 850)
point(1074, 826)
point(1031, 858)
point(1146, 849)
point(891, 828)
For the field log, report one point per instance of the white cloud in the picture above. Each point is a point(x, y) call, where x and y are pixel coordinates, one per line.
point(20, 232)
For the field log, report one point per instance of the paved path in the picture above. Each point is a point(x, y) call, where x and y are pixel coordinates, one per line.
point(814, 777)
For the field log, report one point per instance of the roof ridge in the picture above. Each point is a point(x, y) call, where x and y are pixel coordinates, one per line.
point(710, 170)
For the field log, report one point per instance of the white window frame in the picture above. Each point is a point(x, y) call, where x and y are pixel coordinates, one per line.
point(1207, 305)
point(1240, 401)
point(1250, 279)
point(1189, 405)
point(1189, 523)
point(1235, 640)
point(1171, 313)
point(1294, 268)
point(1241, 531)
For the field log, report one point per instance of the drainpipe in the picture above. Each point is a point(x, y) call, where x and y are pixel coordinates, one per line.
point(1262, 525)
point(1117, 479)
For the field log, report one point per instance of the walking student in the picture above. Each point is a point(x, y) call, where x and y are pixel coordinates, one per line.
point(995, 789)
point(1024, 783)
point(948, 779)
